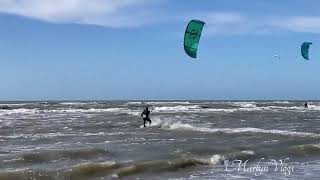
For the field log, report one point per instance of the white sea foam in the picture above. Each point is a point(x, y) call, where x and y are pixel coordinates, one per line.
point(58, 134)
point(294, 108)
point(13, 104)
point(245, 104)
point(157, 102)
point(175, 108)
point(220, 110)
point(242, 106)
point(37, 136)
point(217, 159)
point(248, 152)
point(167, 102)
point(281, 102)
point(191, 109)
point(23, 111)
point(74, 103)
point(178, 125)
point(133, 103)
point(91, 110)
point(18, 111)
point(314, 107)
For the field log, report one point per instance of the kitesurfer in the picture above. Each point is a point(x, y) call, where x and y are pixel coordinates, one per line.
point(5, 107)
point(306, 105)
point(145, 115)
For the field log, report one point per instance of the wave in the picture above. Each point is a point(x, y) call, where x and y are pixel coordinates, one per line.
point(305, 150)
point(156, 102)
point(191, 109)
point(175, 108)
point(18, 111)
point(75, 103)
point(295, 151)
point(187, 127)
point(23, 111)
point(245, 104)
point(314, 107)
point(122, 170)
point(111, 169)
point(95, 110)
point(134, 103)
point(127, 169)
point(167, 102)
point(14, 104)
point(38, 136)
point(240, 155)
point(73, 110)
point(282, 102)
point(51, 155)
point(240, 106)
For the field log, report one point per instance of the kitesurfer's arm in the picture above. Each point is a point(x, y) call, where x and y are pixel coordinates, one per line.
point(143, 113)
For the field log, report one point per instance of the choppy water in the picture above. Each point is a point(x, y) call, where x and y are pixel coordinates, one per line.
point(187, 140)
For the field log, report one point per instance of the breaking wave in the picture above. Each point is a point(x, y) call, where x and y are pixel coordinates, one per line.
point(112, 169)
point(187, 127)
point(120, 170)
point(157, 102)
point(305, 150)
point(51, 155)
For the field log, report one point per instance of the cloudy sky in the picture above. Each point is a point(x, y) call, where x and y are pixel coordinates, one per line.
point(132, 49)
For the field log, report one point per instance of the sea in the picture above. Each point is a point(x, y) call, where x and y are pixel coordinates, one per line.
point(98, 140)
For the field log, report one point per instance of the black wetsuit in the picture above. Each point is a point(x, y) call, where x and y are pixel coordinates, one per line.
point(306, 105)
point(147, 113)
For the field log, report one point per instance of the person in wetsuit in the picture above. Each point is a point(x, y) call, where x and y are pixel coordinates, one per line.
point(305, 105)
point(145, 114)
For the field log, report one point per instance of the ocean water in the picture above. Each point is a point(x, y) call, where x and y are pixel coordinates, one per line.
point(186, 140)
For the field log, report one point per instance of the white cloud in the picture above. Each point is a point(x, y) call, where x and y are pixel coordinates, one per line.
point(309, 24)
point(225, 18)
point(133, 13)
point(110, 13)
point(233, 23)
point(225, 23)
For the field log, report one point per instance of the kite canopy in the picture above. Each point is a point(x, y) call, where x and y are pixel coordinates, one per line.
point(192, 37)
point(276, 57)
point(305, 50)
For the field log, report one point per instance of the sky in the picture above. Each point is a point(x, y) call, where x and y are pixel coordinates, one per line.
point(133, 49)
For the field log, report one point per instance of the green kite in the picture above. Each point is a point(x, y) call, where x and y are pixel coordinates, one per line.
point(192, 37)
point(305, 50)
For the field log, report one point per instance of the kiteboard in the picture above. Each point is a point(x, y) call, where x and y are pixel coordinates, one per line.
point(147, 125)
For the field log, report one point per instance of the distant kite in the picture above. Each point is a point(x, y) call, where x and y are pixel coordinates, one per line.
point(192, 37)
point(305, 50)
point(277, 57)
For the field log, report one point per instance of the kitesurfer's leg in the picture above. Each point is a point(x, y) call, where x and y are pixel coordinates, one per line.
point(149, 120)
point(144, 122)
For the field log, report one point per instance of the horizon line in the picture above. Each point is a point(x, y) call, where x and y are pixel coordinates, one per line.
point(149, 100)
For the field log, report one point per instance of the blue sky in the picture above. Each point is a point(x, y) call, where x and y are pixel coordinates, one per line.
point(132, 49)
